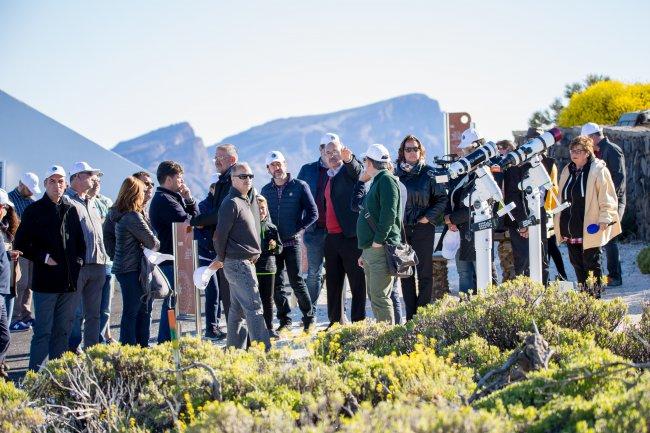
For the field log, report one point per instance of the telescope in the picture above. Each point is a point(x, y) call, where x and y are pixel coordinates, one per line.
point(470, 162)
point(531, 148)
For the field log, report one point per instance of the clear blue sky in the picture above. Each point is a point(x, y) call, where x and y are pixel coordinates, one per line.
point(113, 70)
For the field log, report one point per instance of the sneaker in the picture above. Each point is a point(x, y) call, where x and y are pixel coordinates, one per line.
point(274, 334)
point(4, 371)
point(19, 326)
point(282, 327)
point(215, 334)
point(308, 327)
point(614, 282)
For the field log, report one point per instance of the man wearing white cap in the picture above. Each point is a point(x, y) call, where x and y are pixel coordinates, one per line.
point(292, 210)
point(22, 196)
point(93, 273)
point(379, 224)
point(614, 158)
point(50, 235)
point(315, 174)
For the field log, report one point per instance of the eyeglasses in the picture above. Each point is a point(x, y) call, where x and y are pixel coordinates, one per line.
point(577, 151)
point(244, 176)
point(411, 149)
point(219, 158)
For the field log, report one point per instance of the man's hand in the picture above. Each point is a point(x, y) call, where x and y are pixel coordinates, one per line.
point(523, 233)
point(215, 265)
point(376, 245)
point(346, 155)
point(51, 262)
point(14, 254)
point(361, 262)
point(447, 220)
point(424, 220)
point(185, 192)
point(453, 227)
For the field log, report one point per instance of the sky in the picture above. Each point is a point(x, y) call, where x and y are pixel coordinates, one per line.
point(113, 70)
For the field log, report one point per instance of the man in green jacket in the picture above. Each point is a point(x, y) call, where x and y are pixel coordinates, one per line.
point(379, 224)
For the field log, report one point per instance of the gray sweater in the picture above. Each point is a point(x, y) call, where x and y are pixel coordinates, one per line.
point(237, 235)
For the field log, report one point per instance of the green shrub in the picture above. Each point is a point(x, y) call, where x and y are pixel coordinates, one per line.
point(643, 260)
point(475, 352)
point(499, 317)
point(16, 415)
point(420, 374)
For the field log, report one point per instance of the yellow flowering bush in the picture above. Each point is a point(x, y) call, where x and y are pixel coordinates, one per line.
point(604, 102)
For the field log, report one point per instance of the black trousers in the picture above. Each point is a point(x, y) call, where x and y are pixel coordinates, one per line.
point(555, 254)
point(290, 259)
point(520, 253)
point(584, 261)
point(266, 282)
point(341, 259)
point(420, 237)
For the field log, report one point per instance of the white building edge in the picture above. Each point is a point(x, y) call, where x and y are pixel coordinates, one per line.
point(31, 141)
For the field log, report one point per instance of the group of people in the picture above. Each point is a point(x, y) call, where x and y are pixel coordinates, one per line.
point(66, 246)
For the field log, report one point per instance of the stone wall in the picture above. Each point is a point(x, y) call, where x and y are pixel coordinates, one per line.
point(635, 143)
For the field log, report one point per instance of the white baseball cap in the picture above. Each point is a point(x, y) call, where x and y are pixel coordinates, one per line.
point(55, 169)
point(590, 128)
point(328, 138)
point(469, 136)
point(273, 156)
point(4, 198)
point(82, 166)
point(30, 180)
point(378, 152)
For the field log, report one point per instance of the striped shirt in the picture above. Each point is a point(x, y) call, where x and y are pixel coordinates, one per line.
point(20, 202)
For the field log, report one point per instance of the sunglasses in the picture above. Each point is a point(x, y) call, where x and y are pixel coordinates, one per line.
point(411, 149)
point(244, 176)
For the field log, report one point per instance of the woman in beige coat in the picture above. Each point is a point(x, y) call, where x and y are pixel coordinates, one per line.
point(592, 219)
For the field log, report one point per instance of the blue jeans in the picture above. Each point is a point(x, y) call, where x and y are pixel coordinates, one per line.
point(5, 336)
point(54, 313)
point(168, 303)
point(212, 306)
point(315, 244)
point(107, 296)
point(136, 314)
point(9, 301)
point(466, 276)
point(290, 259)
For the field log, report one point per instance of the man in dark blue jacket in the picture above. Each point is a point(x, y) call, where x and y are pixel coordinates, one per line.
point(171, 203)
point(315, 174)
point(292, 209)
point(613, 156)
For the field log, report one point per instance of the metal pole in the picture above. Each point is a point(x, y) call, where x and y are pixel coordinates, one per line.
point(197, 294)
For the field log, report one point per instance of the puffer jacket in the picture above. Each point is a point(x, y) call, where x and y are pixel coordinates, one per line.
point(132, 232)
point(601, 205)
point(294, 211)
point(425, 197)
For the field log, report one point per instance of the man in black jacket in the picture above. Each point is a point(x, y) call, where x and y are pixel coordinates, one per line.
point(50, 235)
point(614, 158)
point(171, 203)
point(225, 158)
point(341, 250)
point(292, 209)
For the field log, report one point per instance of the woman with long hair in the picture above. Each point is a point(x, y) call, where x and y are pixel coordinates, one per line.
point(592, 219)
point(9, 222)
point(425, 204)
point(133, 232)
